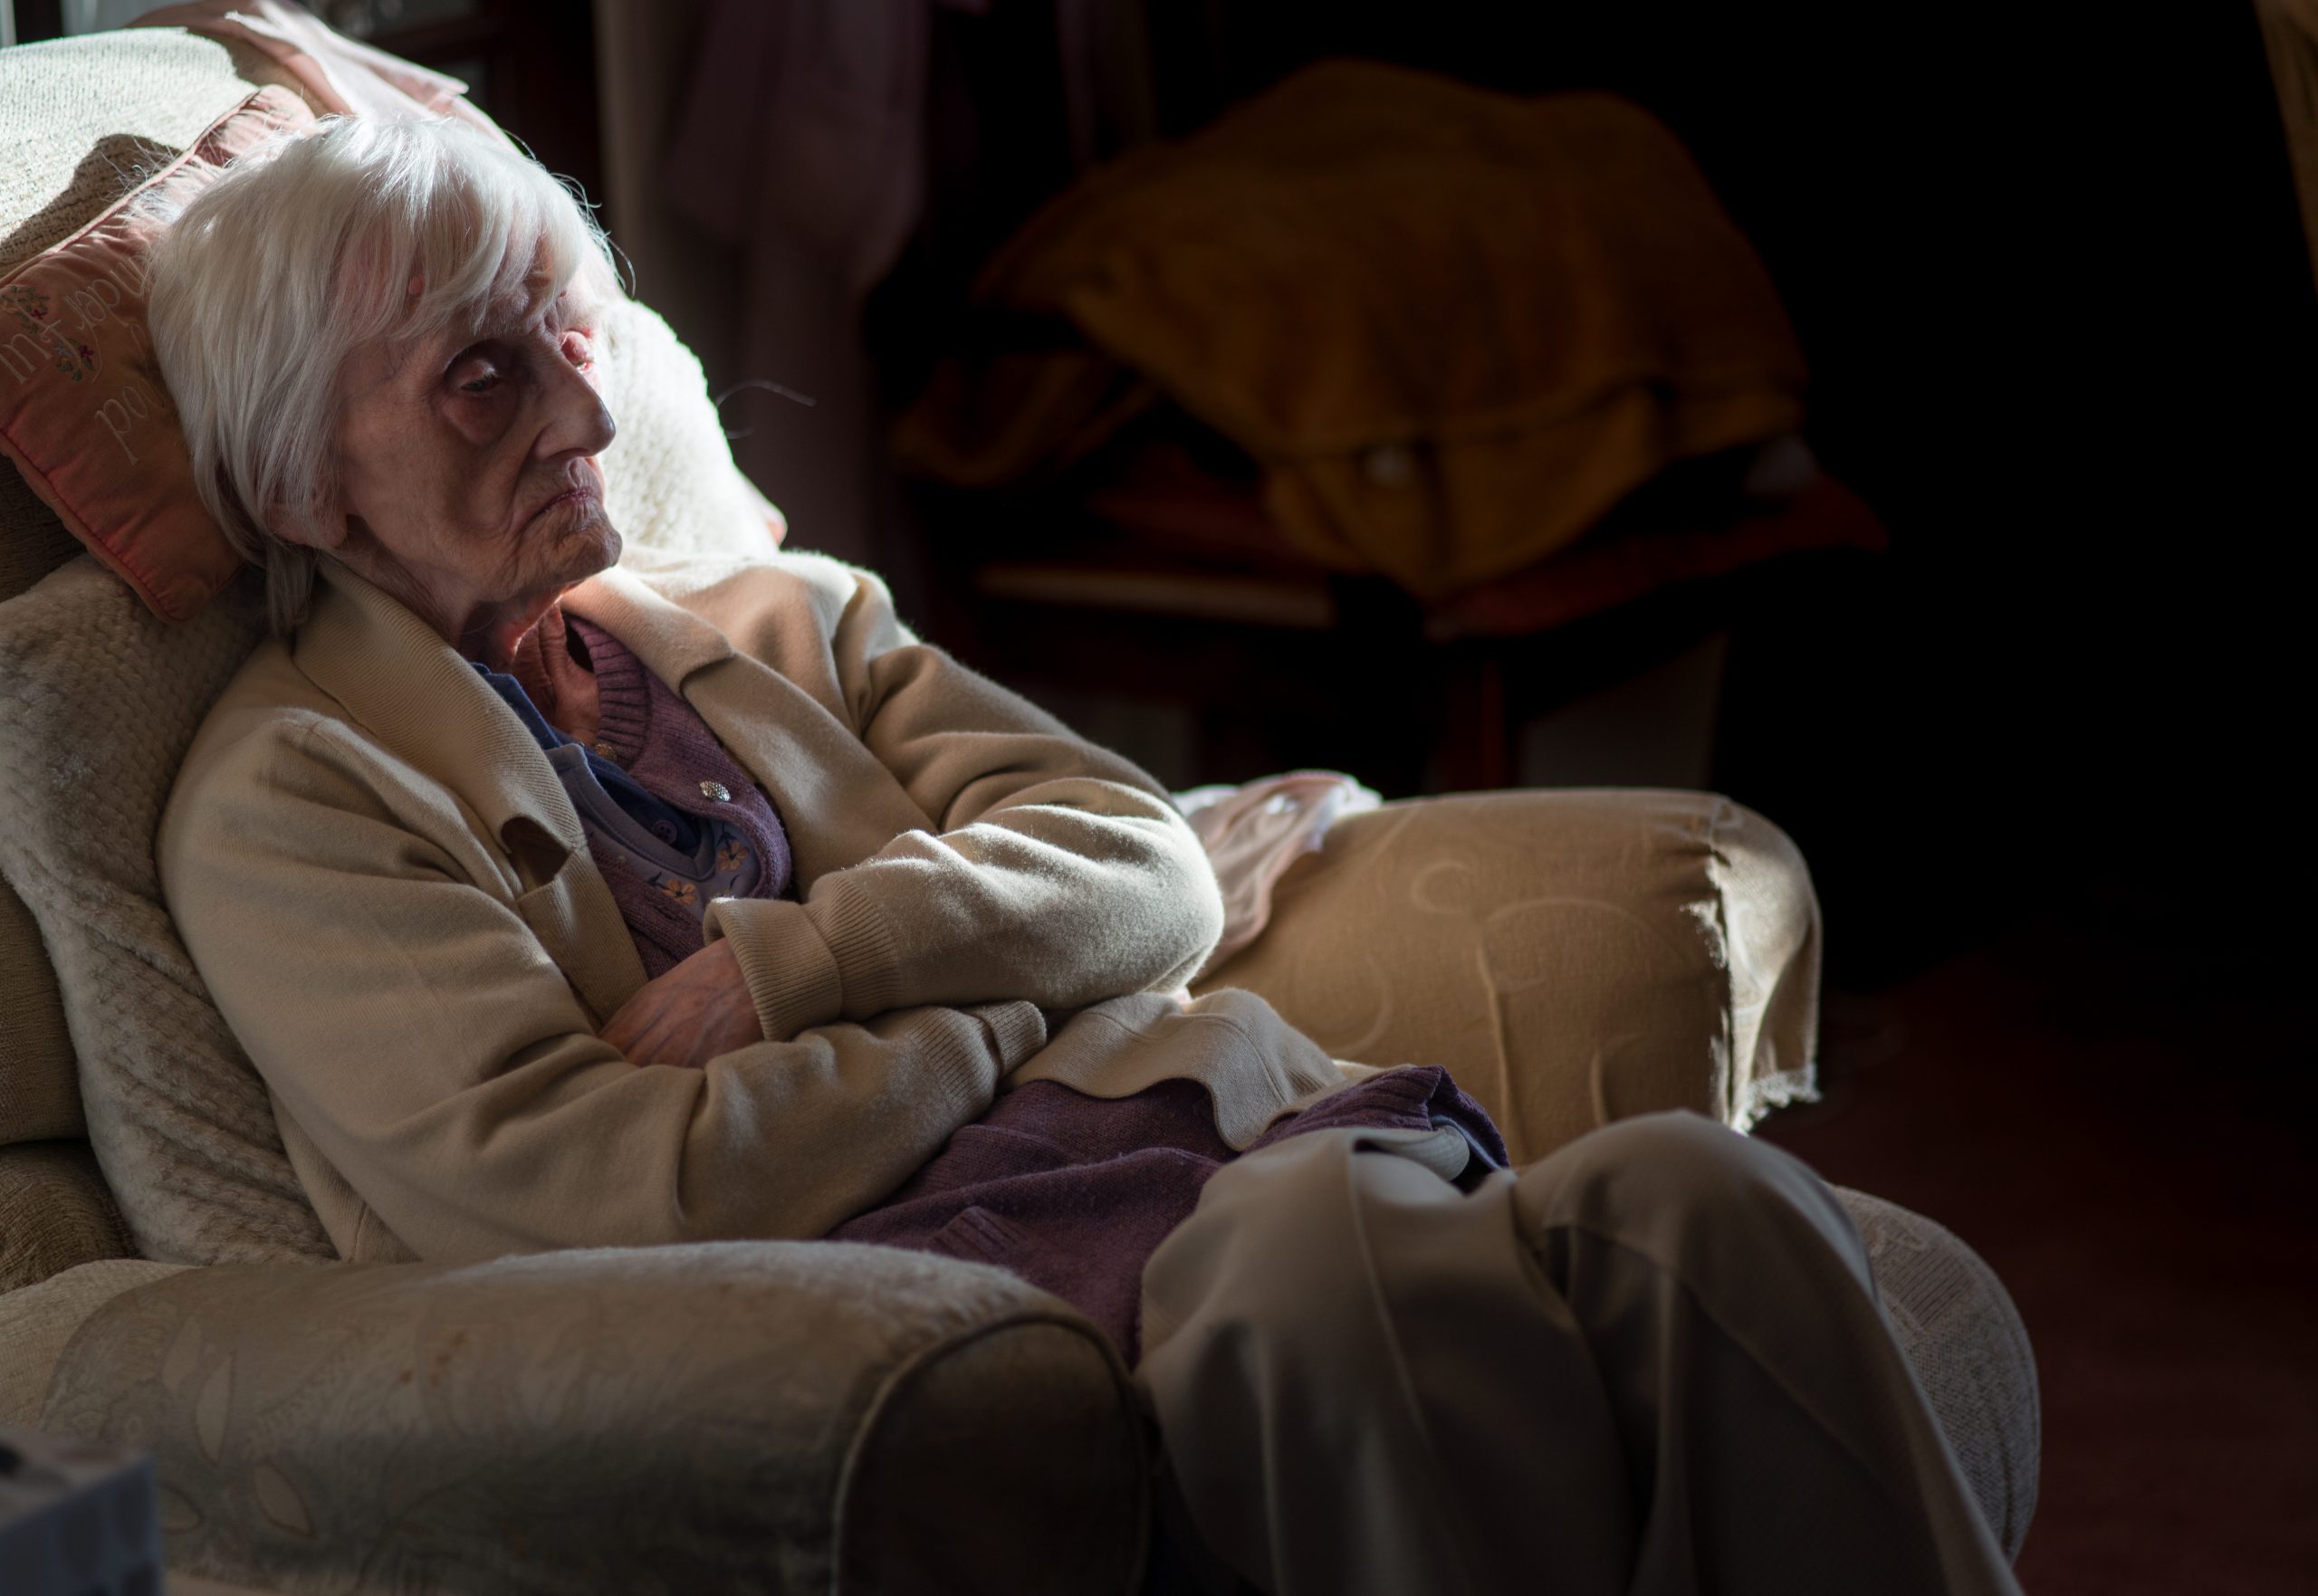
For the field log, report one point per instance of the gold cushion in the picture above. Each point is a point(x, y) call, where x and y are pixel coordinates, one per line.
point(1573, 956)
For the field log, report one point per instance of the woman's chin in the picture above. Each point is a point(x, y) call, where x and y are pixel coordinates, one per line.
point(589, 544)
point(613, 545)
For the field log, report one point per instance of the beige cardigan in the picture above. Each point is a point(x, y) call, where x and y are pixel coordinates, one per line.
point(390, 897)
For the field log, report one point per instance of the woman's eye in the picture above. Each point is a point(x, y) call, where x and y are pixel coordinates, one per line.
point(579, 350)
point(475, 377)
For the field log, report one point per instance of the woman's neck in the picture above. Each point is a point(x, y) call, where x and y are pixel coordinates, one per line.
point(552, 664)
point(494, 633)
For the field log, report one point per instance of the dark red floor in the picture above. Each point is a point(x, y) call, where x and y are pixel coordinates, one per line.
point(2128, 1138)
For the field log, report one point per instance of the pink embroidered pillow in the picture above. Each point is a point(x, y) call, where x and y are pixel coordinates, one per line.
point(83, 410)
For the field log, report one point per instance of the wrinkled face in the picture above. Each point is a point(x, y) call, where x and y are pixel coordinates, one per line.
point(468, 481)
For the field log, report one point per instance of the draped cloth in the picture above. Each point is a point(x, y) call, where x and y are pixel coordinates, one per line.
point(1454, 326)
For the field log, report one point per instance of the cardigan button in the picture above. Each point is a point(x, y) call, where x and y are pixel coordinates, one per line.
point(715, 790)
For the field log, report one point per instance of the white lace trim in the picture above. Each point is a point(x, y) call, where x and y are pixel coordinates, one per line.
point(1779, 1089)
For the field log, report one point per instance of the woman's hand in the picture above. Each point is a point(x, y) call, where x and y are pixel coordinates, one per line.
point(689, 1015)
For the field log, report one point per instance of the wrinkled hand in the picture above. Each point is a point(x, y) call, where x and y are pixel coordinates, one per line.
point(688, 1016)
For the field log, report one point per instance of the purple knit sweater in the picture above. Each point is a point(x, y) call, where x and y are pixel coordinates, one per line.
point(646, 727)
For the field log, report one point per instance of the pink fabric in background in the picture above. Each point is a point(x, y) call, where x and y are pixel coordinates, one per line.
point(1252, 834)
point(338, 74)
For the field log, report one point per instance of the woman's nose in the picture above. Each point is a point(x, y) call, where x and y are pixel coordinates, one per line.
point(575, 421)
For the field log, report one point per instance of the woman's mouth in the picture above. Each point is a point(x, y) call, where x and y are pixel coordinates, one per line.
point(573, 498)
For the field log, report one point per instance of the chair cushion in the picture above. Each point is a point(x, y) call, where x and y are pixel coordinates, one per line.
point(722, 1417)
point(1574, 957)
point(98, 701)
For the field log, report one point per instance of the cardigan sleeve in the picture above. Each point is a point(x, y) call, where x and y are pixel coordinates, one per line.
point(1056, 871)
point(404, 1015)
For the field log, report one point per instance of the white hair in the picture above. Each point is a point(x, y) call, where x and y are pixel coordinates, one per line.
point(310, 248)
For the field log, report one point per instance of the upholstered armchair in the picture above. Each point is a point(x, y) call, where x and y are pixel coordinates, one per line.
point(743, 1415)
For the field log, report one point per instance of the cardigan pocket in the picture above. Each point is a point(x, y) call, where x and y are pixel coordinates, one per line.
point(578, 924)
point(536, 854)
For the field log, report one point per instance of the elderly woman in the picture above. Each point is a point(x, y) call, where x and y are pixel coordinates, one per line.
point(560, 904)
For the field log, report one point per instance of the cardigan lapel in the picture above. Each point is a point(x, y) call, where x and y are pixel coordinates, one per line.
point(837, 803)
point(413, 692)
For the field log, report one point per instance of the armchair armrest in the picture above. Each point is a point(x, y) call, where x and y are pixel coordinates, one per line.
point(1574, 957)
point(38, 1322)
point(728, 1417)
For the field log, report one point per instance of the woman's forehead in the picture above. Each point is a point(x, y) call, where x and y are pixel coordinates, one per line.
point(517, 303)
